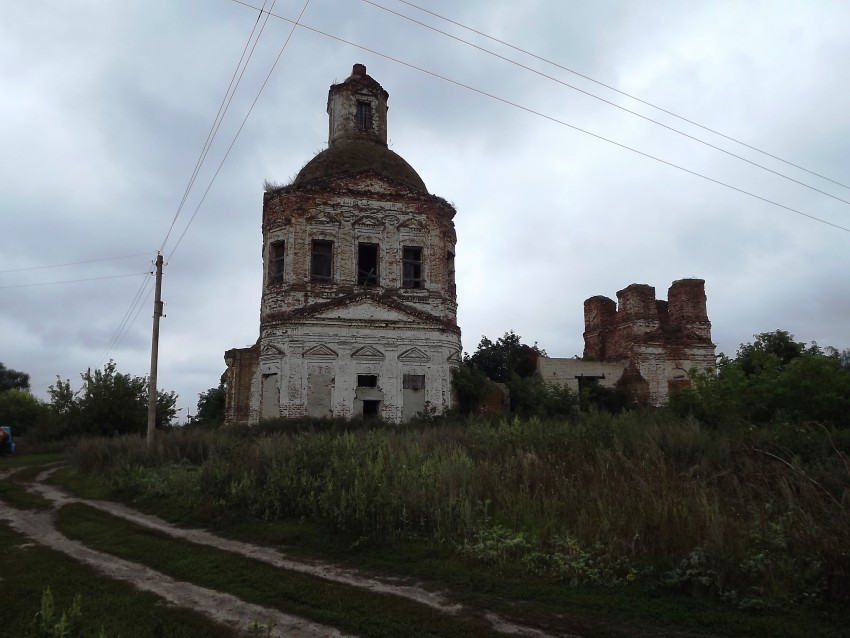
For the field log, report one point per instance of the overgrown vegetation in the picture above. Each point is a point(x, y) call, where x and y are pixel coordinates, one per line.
point(756, 517)
point(108, 403)
point(210, 410)
point(772, 380)
point(737, 494)
point(511, 362)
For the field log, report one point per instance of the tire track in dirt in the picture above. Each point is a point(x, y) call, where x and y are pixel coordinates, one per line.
point(394, 587)
point(220, 607)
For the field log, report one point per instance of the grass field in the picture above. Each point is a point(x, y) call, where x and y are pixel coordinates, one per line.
point(632, 525)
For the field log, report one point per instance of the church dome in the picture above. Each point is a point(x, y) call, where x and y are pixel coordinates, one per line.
point(349, 157)
point(357, 136)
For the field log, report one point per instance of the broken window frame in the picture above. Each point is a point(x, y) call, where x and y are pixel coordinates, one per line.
point(363, 115)
point(277, 255)
point(370, 277)
point(412, 267)
point(322, 260)
point(413, 382)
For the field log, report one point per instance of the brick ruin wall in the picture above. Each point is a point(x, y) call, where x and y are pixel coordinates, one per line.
point(240, 382)
point(660, 341)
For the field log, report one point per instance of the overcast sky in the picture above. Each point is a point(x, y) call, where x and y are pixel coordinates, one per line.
point(105, 107)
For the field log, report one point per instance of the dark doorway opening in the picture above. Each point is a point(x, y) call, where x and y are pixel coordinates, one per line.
point(371, 409)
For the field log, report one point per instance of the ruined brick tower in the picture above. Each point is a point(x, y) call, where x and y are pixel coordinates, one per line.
point(646, 345)
point(358, 314)
point(661, 340)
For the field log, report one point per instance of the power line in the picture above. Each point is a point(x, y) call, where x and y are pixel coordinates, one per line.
point(125, 323)
point(222, 110)
point(616, 90)
point(72, 281)
point(73, 263)
point(609, 102)
point(143, 292)
point(555, 120)
point(295, 24)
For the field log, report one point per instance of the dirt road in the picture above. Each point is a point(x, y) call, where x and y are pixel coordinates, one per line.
point(218, 606)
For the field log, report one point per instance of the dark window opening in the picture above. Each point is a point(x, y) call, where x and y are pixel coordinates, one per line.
point(413, 382)
point(321, 260)
point(371, 409)
point(586, 383)
point(367, 264)
point(450, 268)
point(364, 116)
point(411, 258)
point(276, 256)
point(367, 380)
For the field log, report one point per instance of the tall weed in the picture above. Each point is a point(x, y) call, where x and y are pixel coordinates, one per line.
point(752, 514)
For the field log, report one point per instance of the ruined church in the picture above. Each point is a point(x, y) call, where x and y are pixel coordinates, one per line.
point(646, 345)
point(358, 315)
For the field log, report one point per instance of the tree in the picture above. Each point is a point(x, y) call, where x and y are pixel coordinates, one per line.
point(13, 380)
point(211, 406)
point(771, 350)
point(21, 410)
point(109, 403)
point(471, 387)
point(514, 363)
point(772, 379)
point(508, 355)
point(842, 356)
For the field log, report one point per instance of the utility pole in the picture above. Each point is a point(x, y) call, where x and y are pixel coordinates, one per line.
point(157, 313)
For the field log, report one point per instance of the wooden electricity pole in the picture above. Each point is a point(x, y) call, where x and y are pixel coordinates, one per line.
point(157, 313)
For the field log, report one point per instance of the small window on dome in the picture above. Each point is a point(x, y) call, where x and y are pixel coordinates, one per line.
point(364, 116)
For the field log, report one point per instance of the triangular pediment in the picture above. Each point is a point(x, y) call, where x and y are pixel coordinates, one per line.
point(368, 353)
point(454, 357)
point(364, 310)
point(272, 349)
point(321, 352)
point(414, 355)
point(369, 221)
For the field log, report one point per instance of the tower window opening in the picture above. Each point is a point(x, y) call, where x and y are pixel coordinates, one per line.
point(321, 260)
point(411, 258)
point(277, 253)
point(364, 116)
point(450, 269)
point(367, 264)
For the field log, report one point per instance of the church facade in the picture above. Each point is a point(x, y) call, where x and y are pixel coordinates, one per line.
point(358, 316)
